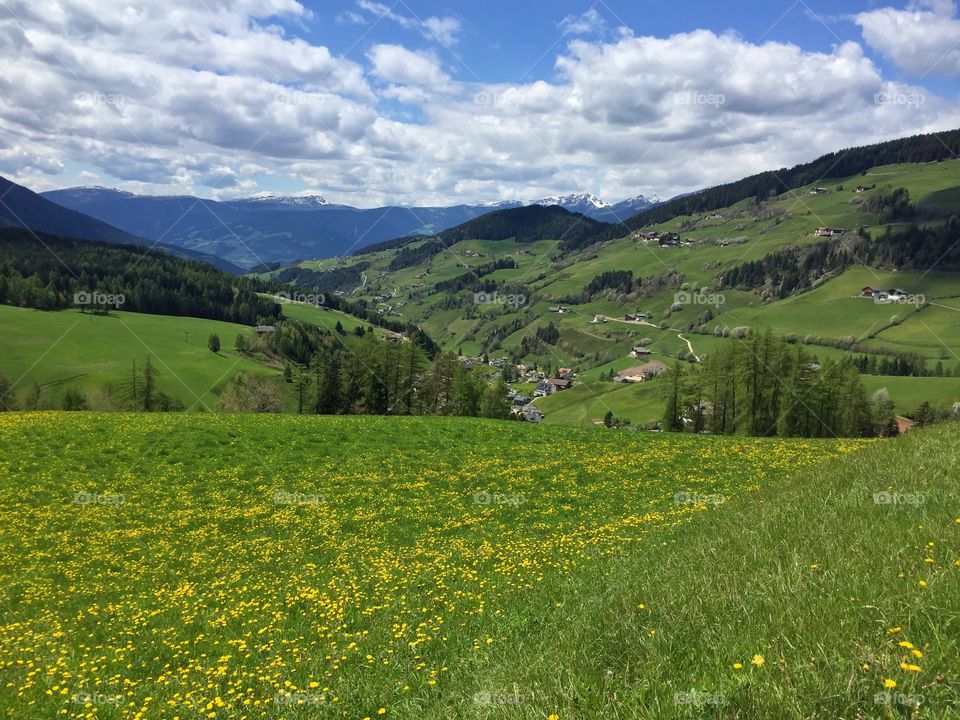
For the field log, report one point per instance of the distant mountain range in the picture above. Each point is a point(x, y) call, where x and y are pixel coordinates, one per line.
point(269, 229)
point(21, 207)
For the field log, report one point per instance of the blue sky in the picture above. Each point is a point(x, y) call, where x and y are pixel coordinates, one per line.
point(428, 103)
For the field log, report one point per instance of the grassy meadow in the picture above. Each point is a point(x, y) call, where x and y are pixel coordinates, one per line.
point(206, 566)
point(70, 349)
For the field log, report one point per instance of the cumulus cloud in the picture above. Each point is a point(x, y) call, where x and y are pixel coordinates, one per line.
point(397, 64)
point(218, 99)
point(923, 40)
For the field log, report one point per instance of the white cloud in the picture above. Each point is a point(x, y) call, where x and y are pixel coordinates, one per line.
point(397, 64)
point(215, 98)
point(441, 30)
point(589, 23)
point(923, 40)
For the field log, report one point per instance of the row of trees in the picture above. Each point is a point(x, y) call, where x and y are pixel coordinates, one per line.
point(376, 377)
point(763, 386)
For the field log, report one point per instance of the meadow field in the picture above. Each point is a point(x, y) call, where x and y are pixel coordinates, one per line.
point(70, 349)
point(207, 566)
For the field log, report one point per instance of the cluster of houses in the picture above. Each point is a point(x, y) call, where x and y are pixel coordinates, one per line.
point(551, 386)
point(894, 295)
point(523, 406)
point(636, 317)
point(473, 254)
point(663, 239)
point(829, 231)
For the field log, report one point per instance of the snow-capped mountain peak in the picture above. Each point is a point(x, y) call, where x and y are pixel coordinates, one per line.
point(578, 200)
point(293, 201)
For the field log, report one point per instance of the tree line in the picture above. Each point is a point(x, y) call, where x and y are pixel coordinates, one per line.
point(58, 273)
point(764, 387)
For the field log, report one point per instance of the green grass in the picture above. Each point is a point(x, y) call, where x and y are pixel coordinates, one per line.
point(589, 401)
point(198, 565)
point(59, 350)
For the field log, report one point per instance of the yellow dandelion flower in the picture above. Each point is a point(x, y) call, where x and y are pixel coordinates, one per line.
point(922, 583)
point(738, 666)
point(894, 630)
point(906, 644)
point(757, 661)
point(909, 667)
point(888, 683)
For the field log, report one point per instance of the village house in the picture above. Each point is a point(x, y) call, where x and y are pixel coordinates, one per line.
point(864, 188)
point(531, 413)
point(559, 384)
point(597, 319)
point(565, 373)
point(262, 330)
point(818, 191)
point(640, 351)
point(559, 309)
point(669, 240)
point(642, 373)
point(870, 292)
point(829, 231)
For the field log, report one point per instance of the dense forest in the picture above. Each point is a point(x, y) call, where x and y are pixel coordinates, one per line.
point(52, 273)
point(844, 163)
point(327, 281)
point(764, 386)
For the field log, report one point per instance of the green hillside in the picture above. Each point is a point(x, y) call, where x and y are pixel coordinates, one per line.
point(70, 349)
point(438, 292)
point(173, 566)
